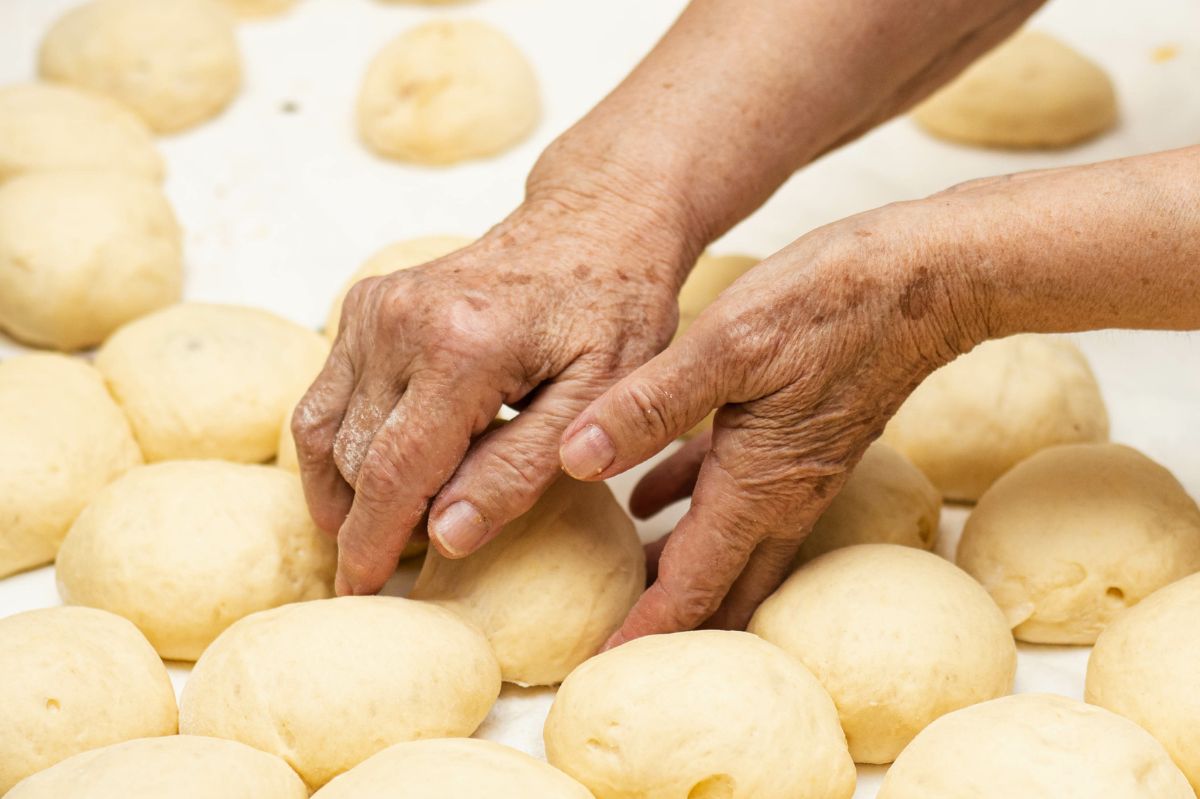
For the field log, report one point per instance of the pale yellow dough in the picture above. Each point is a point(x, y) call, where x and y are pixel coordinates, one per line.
point(73, 679)
point(1076, 534)
point(258, 8)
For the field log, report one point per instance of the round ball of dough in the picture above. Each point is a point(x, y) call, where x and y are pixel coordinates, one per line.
point(174, 62)
point(1035, 746)
point(1074, 535)
point(709, 713)
point(1146, 667)
point(1032, 91)
point(82, 253)
point(452, 768)
point(897, 636)
point(551, 588)
point(974, 419)
point(183, 549)
point(447, 91)
point(73, 679)
point(45, 126)
point(64, 439)
point(175, 766)
point(209, 381)
point(258, 8)
point(326, 684)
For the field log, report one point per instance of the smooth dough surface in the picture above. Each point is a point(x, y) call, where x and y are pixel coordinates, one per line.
point(82, 253)
point(174, 62)
point(47, 126)
point(168, 767)
point(551, 587)
point(258, 8)
point(898, 636)
point(209, 381)
point(185, 548)
point(326, 684)
point(1034, 746)
point(1076, 534)
point(1146, 667)
point(452, 768)
point(64, 440)
point(1032, 91)
point(73, 679)
point(447, 91)
point(974, 419)
point(708, 714)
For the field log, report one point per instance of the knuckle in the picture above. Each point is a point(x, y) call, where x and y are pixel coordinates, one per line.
point(649, 408)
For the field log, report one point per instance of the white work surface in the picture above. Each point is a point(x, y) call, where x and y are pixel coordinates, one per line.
point(280, 207)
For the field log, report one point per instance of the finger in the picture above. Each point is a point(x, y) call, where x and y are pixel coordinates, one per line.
point(368, 408)
point(767, 568)
point(653, 552)
point(315, 423)
point(671, 480)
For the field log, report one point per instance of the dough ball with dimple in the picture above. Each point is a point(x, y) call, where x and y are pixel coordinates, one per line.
point(551, 587)
point(898, 636)
point(326, 684)
point(974, 419)
point(209, 381)
point(1034, 746)
point(709, 714)
point(174, 62)
point(452, 768)
point(63, 440)
point(47, 126)
point(1031, 92)
point(447, 91)
point(1146, 667)
point(258, 8)
point(73, 679)
point(1074, 535)
point(185, 548)
point(169, 767)
point(82, 253)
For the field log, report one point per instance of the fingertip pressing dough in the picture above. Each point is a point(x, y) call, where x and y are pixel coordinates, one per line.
point(447, 91)
point(47, 126)
point(174, 62)
point(185, 548)
point(328, 683)
point(1034, 746)
point(209, 381)
point(1031, 92)
point(974, 419)
point(897, 636)
point(1146, 667)
point(699, 715)
point(551, 588)
point(452, 768)
point(73, 679)
point(83, 252)
point(64, 440)
point(167, 767)
point(258, 8)
point(1074, 535)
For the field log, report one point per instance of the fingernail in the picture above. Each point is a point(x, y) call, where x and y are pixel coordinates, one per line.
point(587, 453)
point(460, 529)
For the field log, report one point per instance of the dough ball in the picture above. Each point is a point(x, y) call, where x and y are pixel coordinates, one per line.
point(210, 381)
point(174, 766)
point(44, 126)
point(82, 253)
point(73, 679)
point(897, 636)
point(1146, 667)
point(327, 684)
point(709, 714)
point(1031, 92)
point(185, 548)
point(258, 8)
point(1034, 746)
point(974, 419)
point(174, 62)
point(1074, 535)
point(886, 500)
point(64, 439)
point(452, 768)
point(447, 91)
point(551, 588)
